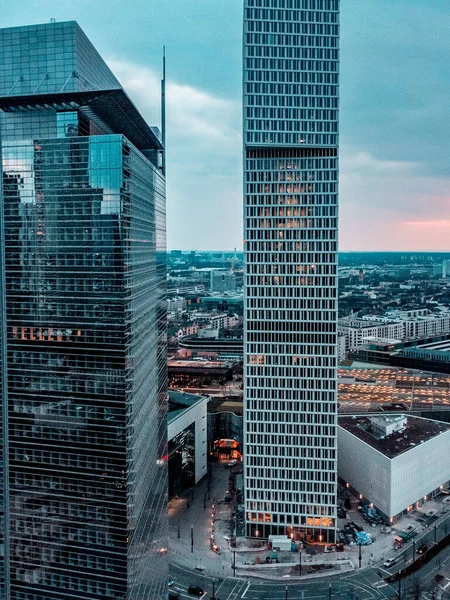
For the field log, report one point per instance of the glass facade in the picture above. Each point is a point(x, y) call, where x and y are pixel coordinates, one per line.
point(290, 230)
point(84, 385)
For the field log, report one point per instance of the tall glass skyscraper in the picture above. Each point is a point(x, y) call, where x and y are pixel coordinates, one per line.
point(83, 342)
point(291, 63)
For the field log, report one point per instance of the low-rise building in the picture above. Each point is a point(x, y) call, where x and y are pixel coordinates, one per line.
point(196, 373)
point(187, 438)
point(223, 281)
point(396, 462)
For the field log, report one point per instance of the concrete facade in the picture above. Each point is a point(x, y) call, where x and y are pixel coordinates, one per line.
point(195, 411)
point(394, 485)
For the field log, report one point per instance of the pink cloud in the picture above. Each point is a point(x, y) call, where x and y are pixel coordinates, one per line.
point(434, 223)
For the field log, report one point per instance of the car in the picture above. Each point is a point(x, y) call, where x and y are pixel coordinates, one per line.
point(232, 463)
point(216, 549)
point(423, 548)
point(170, 583)
point(195, 590)
point(174, 596)
point(389, 562)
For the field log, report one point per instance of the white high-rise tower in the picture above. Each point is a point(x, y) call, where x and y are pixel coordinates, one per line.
point(291, 64)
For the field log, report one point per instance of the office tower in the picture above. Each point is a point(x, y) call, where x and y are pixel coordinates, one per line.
point(290, 231)
point(84, 481)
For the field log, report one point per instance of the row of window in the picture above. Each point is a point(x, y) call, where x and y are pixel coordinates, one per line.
point(280, 394)
point(290, 77)
point(274, 169)
point(325, 5)
point(292, 234)
point(267, 100)
point(282, 359)
point(288, 429)
point(297, 27)
point(305, 16)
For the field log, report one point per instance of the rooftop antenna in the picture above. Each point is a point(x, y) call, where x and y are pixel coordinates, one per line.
point(163, 111)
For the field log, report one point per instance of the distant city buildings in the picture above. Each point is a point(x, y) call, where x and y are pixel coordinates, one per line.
point(84, 382)
point(291, 61)
point(446, 269)
point(394, 326)
point(222, 282)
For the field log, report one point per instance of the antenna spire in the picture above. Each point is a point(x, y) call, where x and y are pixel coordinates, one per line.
point(163, 111)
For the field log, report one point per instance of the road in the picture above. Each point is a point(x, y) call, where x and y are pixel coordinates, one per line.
point(353, 586)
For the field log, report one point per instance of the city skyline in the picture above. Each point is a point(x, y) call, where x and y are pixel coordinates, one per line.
point(393, 194)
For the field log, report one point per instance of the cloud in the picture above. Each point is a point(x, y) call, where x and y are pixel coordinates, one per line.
point(204, 183)
point(191, 112)
point(391, 205)
point(363, 162)
point(438, 223)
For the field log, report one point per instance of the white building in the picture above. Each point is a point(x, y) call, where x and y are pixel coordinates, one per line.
point(290, 230)
point(397, 465)
point(446, 269)
point(187, 433)
point(395, 325)
point(176, 305)
point(223, 281)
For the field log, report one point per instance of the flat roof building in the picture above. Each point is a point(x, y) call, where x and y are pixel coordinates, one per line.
point(394, 461)
point(187, 436)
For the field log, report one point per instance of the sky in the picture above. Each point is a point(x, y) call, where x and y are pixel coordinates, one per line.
point(395, 111)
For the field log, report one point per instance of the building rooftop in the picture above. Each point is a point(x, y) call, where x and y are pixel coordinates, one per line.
point(199, 364)
point(416, 432)
point(218, 405)
point(180, 401)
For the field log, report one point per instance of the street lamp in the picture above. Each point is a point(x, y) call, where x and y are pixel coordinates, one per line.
point(286, 591)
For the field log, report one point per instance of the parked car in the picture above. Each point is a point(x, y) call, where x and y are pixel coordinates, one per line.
point(216, 549)
point(195, 590)
point(423, 548)
point(170, 583)
point(389, 562)
point(232, 463)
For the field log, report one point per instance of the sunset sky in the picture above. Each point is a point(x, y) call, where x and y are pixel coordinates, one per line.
point(395, 111)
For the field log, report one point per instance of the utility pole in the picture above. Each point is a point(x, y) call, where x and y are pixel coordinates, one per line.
point(414, 550)
point(178, 532)
point(213, 597)
point(435, 533)
point(300, 561)
point(360, 555)
point(204, 501)
point(233, 564)
point(192, 538)
point(286, 590)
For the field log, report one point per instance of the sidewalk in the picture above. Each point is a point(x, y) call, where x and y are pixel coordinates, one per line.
point(200, 520)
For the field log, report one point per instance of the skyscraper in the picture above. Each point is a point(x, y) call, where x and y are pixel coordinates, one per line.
point(291, 61)
point(83, 355)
